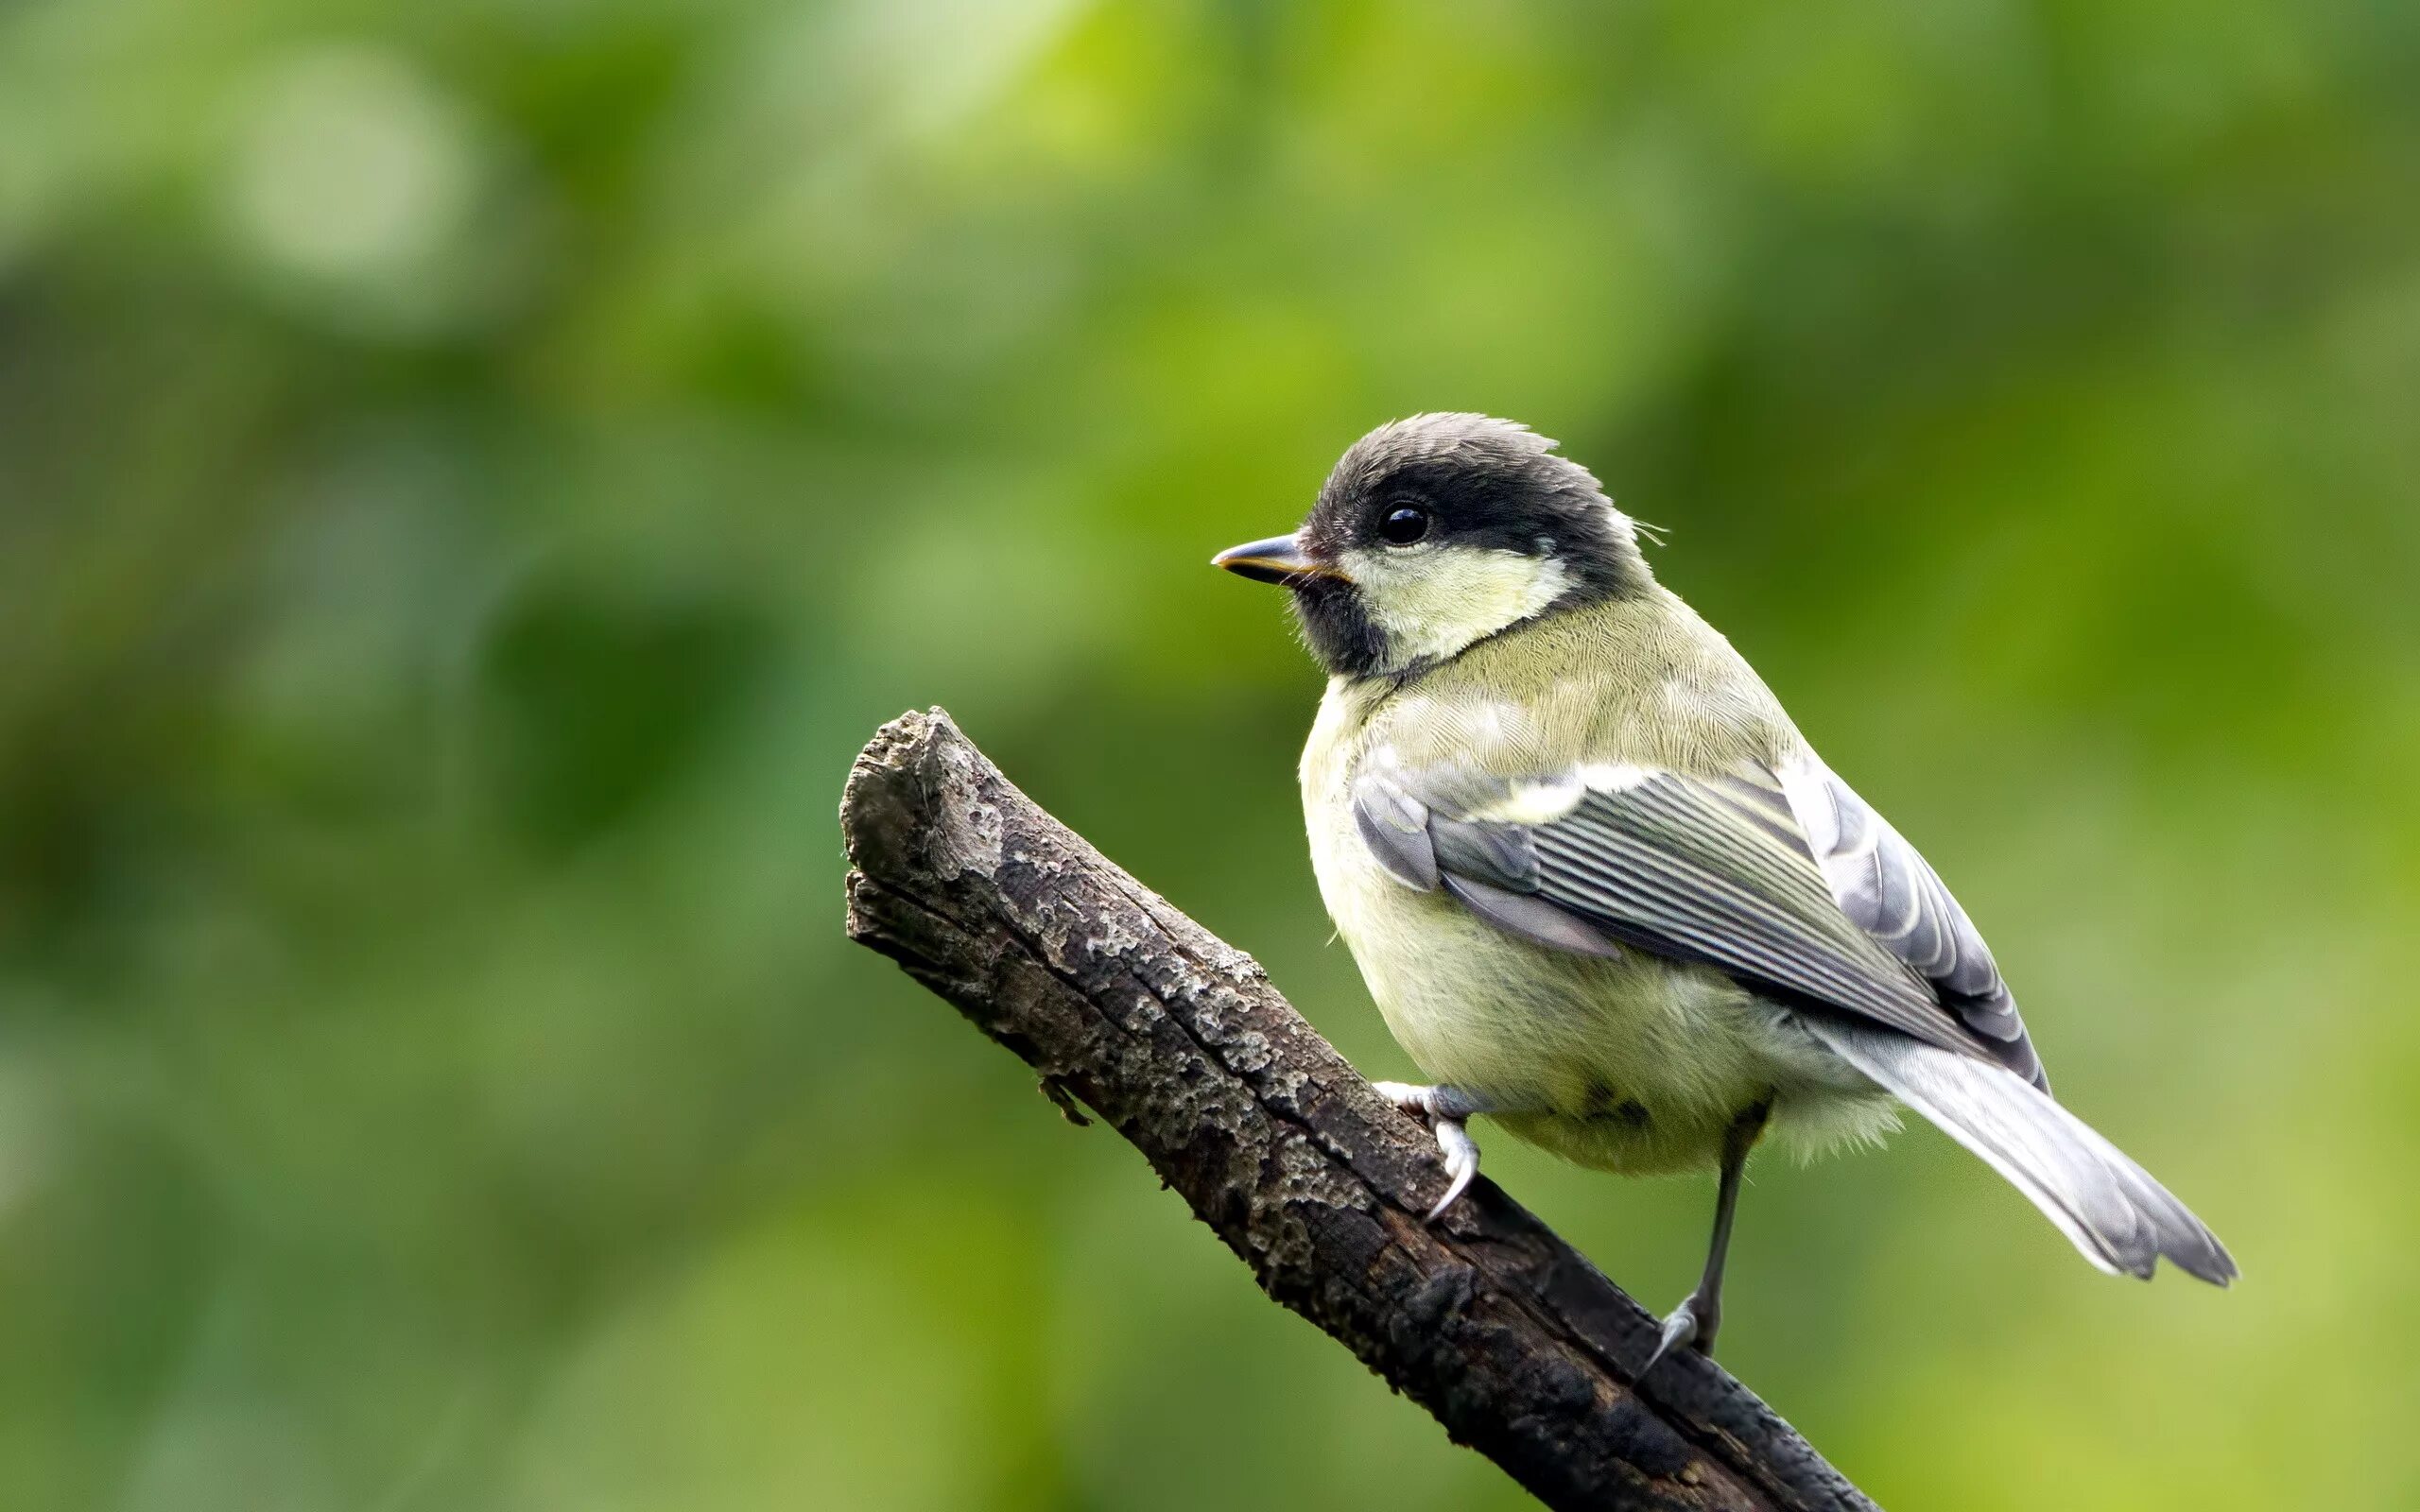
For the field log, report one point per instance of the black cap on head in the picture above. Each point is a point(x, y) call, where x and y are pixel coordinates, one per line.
point(1486, 498)
point(1492, 484)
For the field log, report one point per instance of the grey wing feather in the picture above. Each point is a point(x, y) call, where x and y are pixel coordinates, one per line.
point(1401, 833)
point(1669, 857)
point(1531, 917)
point(1394, 825)
point(1886, 888)
point(1717, 871)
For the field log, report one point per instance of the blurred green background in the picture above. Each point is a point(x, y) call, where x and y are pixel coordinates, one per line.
point(471, 477)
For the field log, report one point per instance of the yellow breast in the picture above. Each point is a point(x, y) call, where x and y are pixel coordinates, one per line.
point(1632, 1064)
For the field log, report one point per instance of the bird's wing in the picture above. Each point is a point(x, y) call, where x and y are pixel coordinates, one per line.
point(1887, 888)
point(1782, 878)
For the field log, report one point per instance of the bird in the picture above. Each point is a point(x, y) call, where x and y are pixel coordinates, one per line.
point(1601, 889)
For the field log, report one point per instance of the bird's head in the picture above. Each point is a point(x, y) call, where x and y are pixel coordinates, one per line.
point(1438, 531)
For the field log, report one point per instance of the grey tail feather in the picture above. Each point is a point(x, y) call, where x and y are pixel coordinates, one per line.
point(2108, 1206)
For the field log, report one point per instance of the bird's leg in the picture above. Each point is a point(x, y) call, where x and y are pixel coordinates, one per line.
point(1699, 1314)
point(1447, 1110)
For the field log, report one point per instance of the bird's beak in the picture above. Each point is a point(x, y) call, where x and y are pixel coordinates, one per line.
point(1279, 559)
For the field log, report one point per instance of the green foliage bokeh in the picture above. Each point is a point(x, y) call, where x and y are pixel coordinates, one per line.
point(471, 477)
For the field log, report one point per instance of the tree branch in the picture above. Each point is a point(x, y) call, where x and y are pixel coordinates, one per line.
point(1177, 1039)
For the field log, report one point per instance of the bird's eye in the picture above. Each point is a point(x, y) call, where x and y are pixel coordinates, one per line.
point(1403, 527)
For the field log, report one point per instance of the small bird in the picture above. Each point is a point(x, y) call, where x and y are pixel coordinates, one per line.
point(1604, 891)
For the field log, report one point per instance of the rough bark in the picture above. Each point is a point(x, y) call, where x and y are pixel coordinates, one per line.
point(1177, 1039)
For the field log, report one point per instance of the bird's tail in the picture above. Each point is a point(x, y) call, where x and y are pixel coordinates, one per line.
point(2108, 1206)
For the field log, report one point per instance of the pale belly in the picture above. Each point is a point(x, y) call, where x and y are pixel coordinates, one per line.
point(1636, 1064)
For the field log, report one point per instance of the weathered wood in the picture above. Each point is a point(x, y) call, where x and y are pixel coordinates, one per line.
point(1177, 1039)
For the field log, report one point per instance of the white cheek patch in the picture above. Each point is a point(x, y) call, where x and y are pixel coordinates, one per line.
point(1431, 602)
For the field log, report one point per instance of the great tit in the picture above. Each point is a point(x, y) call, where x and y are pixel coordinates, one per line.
point(1602, 891)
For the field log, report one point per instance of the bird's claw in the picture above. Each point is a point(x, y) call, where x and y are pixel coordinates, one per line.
point(1454, 1141)
point(1461, 1162)
point(1678, 1329)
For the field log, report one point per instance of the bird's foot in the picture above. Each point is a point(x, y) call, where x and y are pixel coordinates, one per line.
point(1692, 1323)
point(1446, 1108)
